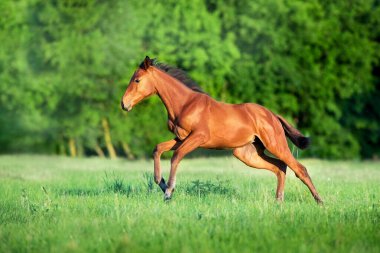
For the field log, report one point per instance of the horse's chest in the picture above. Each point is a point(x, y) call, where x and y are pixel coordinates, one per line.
point(178, 130)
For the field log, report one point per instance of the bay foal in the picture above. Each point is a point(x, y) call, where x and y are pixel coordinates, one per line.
point(197, 120)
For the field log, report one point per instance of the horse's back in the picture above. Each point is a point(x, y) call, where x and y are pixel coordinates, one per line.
point(250, 113)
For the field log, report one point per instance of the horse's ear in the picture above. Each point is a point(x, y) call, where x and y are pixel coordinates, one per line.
point(146, 63)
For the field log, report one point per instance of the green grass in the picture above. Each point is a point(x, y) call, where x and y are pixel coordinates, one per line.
point(56, 204)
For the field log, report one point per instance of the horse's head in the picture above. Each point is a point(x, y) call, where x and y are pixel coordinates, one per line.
point(140, 86)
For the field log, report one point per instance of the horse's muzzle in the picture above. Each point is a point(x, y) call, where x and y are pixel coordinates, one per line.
point(127, 108)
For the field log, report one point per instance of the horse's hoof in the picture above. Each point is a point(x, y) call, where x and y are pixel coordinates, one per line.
point(167, 197)
point(280, 200)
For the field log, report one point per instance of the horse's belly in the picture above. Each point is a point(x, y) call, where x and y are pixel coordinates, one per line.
point(230, 138)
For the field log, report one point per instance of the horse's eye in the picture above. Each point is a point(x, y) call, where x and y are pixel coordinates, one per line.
point(137, 80)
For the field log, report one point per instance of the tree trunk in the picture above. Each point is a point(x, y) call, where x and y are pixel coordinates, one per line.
point(72, 147)
point(127, 150)
point(107, 139)
point(99, 150)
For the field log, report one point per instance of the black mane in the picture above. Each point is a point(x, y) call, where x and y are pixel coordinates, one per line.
point(178, 74)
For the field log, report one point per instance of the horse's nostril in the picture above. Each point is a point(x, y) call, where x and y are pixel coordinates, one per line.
point(122, 105)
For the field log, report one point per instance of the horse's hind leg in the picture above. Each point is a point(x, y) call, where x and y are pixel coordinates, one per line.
point(280, 149)
point(253, 156)
point(302, 174)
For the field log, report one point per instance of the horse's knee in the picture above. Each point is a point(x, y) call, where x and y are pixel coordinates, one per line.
point(302, 173)
point(155, 152)
point(305, 173)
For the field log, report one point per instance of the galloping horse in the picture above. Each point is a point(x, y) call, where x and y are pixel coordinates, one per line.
point(197, 120)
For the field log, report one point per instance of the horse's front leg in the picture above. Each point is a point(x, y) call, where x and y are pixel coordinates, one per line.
point(189, 144)
point(159, 149)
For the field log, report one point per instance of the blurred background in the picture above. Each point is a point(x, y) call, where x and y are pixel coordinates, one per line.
point(64, 66)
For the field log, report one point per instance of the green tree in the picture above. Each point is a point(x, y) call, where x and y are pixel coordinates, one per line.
point(304, 60)
point(64, 66)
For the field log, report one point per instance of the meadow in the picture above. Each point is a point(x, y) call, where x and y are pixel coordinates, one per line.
point(58, 204)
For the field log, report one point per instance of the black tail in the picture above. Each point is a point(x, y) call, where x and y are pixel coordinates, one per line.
point(294, 135)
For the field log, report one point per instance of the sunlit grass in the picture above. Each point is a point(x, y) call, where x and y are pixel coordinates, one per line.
point(220, 205)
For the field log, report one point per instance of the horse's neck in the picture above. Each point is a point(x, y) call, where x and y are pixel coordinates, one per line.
point(173, 93)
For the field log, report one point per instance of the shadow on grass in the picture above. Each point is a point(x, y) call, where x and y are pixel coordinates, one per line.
point(297, 197)
point(120, 188)
point(204, 188)
point(114, 184)
point(80, 192)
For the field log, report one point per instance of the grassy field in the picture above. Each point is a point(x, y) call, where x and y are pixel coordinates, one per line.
point(57, 204)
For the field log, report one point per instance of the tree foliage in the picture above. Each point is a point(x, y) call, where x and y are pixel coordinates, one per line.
point(64, 66)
